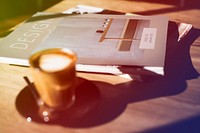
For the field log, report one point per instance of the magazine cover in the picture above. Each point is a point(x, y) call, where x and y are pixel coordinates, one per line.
point(97, 39)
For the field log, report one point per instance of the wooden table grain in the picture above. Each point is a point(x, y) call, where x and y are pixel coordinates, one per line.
point(114, 104)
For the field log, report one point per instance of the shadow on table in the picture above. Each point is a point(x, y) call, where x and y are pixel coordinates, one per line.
point(99, 102)
point(178, 69)
point(189, 125)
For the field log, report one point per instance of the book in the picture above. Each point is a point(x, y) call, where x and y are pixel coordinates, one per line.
point(99, 40)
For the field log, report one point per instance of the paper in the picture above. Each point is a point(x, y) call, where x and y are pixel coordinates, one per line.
point(82, 9)
point(148, 39)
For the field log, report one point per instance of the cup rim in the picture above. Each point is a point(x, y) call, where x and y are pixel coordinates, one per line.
point(34, 58)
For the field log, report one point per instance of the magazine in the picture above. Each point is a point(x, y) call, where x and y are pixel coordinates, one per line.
point(99, 40)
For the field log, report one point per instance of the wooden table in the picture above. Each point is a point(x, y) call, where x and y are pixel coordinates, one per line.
point(114, 104)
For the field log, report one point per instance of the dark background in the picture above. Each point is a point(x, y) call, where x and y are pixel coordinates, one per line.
point(14, 8)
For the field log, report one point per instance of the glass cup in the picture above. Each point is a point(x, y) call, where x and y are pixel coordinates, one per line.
point(54, 75)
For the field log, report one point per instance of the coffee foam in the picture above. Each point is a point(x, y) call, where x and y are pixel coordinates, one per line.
point(54, 62)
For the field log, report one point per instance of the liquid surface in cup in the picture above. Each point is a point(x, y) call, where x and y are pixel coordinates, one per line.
point(54, 62)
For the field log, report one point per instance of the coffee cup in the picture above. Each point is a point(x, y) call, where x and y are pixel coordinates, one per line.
point(54, 75)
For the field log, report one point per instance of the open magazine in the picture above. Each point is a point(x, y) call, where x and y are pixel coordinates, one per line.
point(103, 43)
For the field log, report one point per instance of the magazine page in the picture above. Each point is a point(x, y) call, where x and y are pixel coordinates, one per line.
point(97, 39)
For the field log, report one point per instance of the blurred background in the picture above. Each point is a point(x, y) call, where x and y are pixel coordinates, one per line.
point(13, 12)
point(13, 8)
